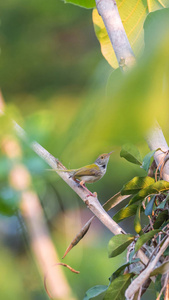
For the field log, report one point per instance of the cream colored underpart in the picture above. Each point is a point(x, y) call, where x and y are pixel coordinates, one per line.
point(89, 179)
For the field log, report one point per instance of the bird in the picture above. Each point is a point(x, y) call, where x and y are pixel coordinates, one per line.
point(90, 173)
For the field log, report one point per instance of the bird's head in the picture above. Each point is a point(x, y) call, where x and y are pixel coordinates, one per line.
point(103, 159)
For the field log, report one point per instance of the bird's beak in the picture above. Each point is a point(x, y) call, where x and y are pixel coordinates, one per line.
point(110, 153)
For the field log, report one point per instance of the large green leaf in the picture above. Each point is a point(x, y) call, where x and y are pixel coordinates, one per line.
point(145, 238)
point(161, 270)
point(121, 269)
point(125, 212)
point(162, 217)
point(137, 221)
point(136, 184)
point(133, 14)
point(155, 188)
point(149, 206)
point(147, 159)
point(117, 287)
point(95, 291)
point(126, 111)
point(119, 243)
point(113, 201)
point(83, 3)
point(154, 22)
point(131, 153)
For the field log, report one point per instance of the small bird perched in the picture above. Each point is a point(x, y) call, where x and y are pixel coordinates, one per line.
point(90, 173)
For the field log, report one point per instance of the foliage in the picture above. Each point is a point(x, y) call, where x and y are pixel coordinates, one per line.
point(119, 243)
point(133, 15)
point(140, 189)
point(131, 153)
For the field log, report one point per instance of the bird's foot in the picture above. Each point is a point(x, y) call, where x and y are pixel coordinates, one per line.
point(82, 183)
point(92, 194)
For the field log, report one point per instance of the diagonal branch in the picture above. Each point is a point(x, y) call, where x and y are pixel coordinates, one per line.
point(92, 202)
point(108, 10)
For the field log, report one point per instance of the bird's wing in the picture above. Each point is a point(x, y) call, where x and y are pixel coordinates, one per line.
point(90, 170)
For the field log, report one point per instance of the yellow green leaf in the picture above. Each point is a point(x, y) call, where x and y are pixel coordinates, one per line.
point(137, 221)
point(133, 14)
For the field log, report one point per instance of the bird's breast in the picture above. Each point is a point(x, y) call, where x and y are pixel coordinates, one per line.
point(90, 179)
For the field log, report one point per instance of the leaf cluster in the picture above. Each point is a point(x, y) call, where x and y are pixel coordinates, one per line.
point(148, 197)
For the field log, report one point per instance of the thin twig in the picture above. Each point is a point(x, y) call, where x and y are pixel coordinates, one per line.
point(46, 276)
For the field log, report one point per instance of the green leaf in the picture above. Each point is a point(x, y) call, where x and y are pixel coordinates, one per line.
point(118, 286)
point(119, 272)
point(125, 212)
point(95, 291)
point(154, 25)
point(83, 3)
point(149, 207)
point(162, 204)
point(131, 153)
point(136, 184)
point(145, 238)
point(133, 14)
point(119, 243)
point(113, 201)
point(163, 216)
point(155, 188)
point(161, 270)
point(133, 97)
point(121, 269)
point(147, 159)
point(137, 222)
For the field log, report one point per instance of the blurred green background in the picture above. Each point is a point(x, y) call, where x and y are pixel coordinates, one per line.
point(53, 79)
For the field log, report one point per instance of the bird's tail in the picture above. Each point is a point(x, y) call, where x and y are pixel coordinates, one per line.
point(62, 170)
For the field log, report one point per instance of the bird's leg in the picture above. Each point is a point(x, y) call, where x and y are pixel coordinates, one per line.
point(82, 183)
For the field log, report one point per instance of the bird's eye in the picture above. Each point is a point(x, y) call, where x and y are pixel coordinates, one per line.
point(101, 157)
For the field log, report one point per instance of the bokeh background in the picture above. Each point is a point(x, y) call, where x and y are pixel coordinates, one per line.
point(53, 79)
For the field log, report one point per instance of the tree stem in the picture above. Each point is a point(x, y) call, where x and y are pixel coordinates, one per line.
point(108, 10)
point(155, 139)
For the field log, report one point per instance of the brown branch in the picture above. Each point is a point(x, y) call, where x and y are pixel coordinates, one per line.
point(92, 202)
